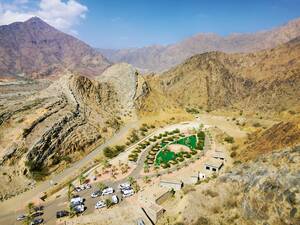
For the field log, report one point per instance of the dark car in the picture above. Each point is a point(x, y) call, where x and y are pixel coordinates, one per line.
point(36, 214)
point(39, 208)
point(37, 221)
point(62, 213)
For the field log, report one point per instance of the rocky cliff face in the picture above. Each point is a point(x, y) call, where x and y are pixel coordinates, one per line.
point(161, 58)
point(129, 85)
point(44, 131)
point(35, 49)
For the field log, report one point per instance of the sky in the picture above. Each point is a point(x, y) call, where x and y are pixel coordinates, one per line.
point(138, 23)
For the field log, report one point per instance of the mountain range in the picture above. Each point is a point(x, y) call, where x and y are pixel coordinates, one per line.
point(158, 58)
point(35, 49)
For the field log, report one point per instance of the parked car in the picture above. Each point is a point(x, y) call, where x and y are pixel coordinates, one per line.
point(127, 193)
point(77, 189)
point(37, 221)
point(21, 217)
point(87, 186)
point(108, 191)
point(124, 186)
point(100, 204)
point(77, 200)
point(96, 194)
point(36, 214)
point(115, 199)
point(79, 208)
point(62, 213)
point(39, 208)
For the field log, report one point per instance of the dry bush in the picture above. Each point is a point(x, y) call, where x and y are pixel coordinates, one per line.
point(188, 188)
point(210, 193)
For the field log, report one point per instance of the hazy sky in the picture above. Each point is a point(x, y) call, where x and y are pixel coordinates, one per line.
point(136, 23)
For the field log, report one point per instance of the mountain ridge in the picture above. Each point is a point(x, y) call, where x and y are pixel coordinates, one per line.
point(161, 58)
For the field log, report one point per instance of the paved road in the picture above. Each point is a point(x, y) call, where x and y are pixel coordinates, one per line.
point(61, 203)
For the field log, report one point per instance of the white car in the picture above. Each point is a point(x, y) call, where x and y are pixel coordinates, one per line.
point(79, 208)
point(128, 192)
point(100, 204)
point(125, 195)
point(108, 191)
point(96, 194)
point(76, 201)
point(87, 186)
point(115, 199)
point(124, 186)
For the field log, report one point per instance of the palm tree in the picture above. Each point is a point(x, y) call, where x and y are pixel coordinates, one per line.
point(82, 178)
point(70, 190)
point(147, 179)
point(108, 202)
point(101, 186)
point(30, 210)
point(131, 180)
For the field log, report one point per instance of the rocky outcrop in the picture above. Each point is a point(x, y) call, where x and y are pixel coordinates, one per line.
point(128, 83)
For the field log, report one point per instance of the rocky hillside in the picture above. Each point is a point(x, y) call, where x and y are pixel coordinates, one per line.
point(262, 191)
point(44, 130)
point(129, 85)
point(44, 126)
point(266, 81)
point(159, 58)
point(35, 49)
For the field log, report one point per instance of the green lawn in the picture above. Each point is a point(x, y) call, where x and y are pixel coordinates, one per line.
point(189, 141)
point(165, 156)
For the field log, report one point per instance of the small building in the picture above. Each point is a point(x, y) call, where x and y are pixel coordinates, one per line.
point(154, 211)
point(171, 184)
point(213, 165)
point(202, 176)
point(219, 155)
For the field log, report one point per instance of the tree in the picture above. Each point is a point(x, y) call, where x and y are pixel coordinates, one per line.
point(146, 167)
point(101, 186)
point(131, 180)
point(82, 178)
point(147, 179)
point(70, 190)
point(30, 209)
point(108, 203)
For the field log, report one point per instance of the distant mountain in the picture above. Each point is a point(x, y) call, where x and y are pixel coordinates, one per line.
point(159, 58)
point(35, 49)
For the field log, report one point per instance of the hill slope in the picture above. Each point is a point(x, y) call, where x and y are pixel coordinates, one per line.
point(35, 49)
point(159, 58)
point(268, 80)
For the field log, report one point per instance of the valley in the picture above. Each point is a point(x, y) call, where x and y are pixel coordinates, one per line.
point(207, 136)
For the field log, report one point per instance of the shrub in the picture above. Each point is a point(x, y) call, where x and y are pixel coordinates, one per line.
point(229, 139)
point(256, 124)
point(233, 154)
